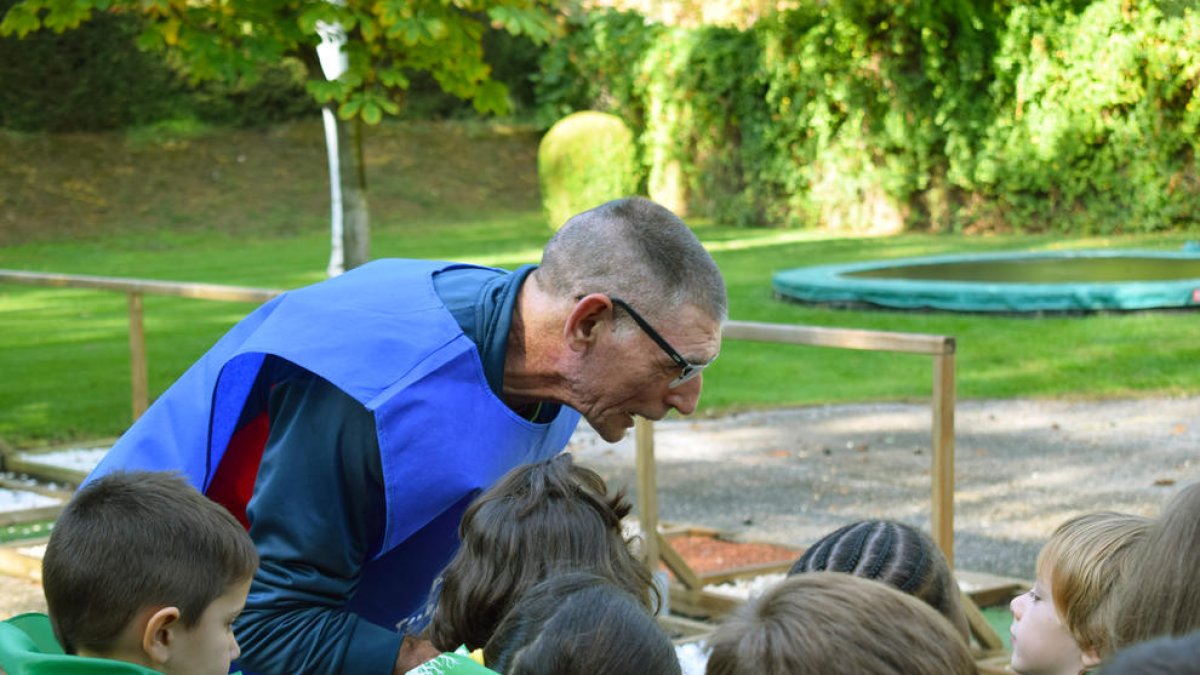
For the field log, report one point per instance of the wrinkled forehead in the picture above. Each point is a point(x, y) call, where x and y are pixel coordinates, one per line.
point(693, 333)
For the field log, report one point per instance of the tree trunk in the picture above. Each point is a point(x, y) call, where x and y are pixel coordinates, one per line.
point(350, 233)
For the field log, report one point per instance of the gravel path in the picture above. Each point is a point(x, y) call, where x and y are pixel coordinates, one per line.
point(1022, 467)
point(789, 476)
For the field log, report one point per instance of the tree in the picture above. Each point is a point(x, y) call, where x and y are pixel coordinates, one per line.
point(385, 43)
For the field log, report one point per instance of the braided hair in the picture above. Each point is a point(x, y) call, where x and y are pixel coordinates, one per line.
point(896, 554)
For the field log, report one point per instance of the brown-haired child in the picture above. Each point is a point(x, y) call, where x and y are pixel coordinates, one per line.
point(579, 622)
point(540, 519)
point(829, 623)
point(1160, 594)
point(142, 569)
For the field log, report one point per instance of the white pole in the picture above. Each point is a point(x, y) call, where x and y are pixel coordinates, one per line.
point(333, 63)
point(337, 256)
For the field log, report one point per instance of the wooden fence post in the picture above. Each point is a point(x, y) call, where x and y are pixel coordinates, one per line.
point(137, 357)
point(942, 509)
point(647, 487)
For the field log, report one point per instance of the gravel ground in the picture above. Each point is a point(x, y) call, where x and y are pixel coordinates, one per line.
point(788, 476)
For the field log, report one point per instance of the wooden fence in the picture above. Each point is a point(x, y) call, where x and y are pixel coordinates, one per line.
point(939, 348)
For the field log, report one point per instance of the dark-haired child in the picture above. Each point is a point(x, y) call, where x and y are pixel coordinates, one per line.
point(896, 554)
point(580, 623)
point(828, 623)
point(539, 519)
point(142, 574)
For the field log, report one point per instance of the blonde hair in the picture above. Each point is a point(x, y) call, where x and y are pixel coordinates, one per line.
point(1083, 561)
point(1161, 593)
point(830, 623)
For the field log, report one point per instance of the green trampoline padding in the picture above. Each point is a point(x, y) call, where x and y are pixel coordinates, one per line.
point(1066, 281)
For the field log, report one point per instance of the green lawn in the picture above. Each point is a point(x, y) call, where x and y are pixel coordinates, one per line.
point(64, 353)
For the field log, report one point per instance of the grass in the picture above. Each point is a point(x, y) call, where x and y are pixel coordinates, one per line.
point(64, 353)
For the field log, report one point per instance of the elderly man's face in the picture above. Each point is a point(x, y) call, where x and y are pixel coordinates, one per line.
point(628, 373)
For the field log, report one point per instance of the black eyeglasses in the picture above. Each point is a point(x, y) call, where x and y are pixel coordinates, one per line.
point(688, 370)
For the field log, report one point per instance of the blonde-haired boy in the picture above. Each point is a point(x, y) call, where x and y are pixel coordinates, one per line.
point(1060, 626)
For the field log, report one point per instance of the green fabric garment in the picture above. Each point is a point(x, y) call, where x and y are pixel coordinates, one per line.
point(27, 647)
point(458, 662)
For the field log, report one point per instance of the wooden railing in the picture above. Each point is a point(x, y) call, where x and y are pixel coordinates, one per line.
point(135, 289)
point(940, 348)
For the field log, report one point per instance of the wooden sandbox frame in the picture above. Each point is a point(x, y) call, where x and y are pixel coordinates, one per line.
point(940, 347)
point(688, 594)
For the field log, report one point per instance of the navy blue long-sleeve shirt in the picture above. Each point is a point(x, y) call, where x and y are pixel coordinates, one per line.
point(318, 510)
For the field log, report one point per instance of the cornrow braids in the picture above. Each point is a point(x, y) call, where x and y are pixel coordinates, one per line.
point(894, 553)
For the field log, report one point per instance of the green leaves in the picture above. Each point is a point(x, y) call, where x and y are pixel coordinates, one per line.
point(20, 19)
point(57, 15)
point(369, 105)
point(528, 21)
point(386, 41)
point(1056, 114)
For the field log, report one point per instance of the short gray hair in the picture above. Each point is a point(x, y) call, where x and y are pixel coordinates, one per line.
point(637, 250)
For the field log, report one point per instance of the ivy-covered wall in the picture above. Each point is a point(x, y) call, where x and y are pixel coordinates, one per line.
point(1060, 115)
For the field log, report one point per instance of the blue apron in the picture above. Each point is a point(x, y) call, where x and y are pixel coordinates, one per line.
point(381, 334)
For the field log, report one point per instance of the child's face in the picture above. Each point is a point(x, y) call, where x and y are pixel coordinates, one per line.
point(208, 647)
point(1041, 643)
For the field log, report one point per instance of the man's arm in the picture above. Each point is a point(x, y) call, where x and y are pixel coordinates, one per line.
point(316, 516)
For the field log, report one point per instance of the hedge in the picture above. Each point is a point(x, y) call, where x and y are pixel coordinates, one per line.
point(866, 114)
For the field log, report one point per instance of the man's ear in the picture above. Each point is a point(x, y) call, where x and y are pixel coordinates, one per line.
point(586, 317)
point(158, 636)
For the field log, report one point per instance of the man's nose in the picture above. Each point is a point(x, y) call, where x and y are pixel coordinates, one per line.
point(685, 397)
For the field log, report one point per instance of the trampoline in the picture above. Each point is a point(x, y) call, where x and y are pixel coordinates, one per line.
point(1030, 282)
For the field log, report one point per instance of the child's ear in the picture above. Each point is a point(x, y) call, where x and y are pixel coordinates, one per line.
point(1090, 658)
point(158, 636)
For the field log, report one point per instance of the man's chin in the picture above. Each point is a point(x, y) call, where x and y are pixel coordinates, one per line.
point(610, 431)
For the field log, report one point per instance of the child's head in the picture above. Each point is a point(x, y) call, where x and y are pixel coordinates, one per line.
point(1160, 594)
point(539, 519)
point(141, 567)
point(580, 623)
point(899, 555)
point(830, 623)
point(1060, 626)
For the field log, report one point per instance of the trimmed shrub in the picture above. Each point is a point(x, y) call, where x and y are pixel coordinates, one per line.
point(584, 160)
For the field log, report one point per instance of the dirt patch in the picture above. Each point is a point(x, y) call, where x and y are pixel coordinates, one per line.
point(709, 554)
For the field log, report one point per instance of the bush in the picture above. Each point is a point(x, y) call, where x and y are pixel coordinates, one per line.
point(1062, 114)
point(584, 160)
point(1098, 119)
